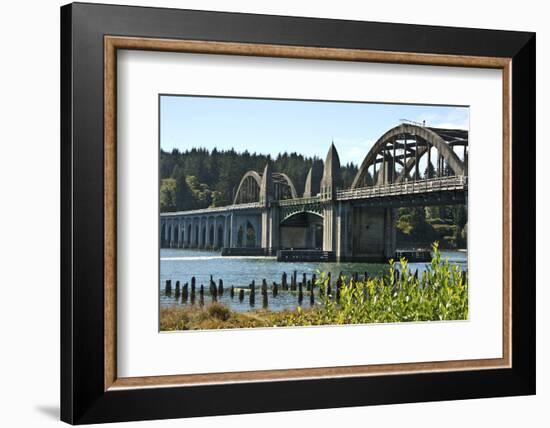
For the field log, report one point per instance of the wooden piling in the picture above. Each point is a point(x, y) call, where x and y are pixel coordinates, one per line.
point(213, 288)
point(220, 287)
point(300, 294)
point(313, 280)
point(275, 289)
point(184, 293)
point(241, 295)
point(232, 292)
point(293, 282)
point(168, 287)
point(177, 290)
point(264, 300)
point(201, 295)
point(338, 287)
point(284, 284)
point(252, 299)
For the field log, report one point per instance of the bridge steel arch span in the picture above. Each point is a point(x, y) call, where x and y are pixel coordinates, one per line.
point(289, 212)
point(428, 137)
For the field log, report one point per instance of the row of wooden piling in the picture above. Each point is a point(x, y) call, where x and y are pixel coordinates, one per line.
point(188, 292)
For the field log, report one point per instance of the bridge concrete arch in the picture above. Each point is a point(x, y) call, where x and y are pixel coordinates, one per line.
point(249, 188)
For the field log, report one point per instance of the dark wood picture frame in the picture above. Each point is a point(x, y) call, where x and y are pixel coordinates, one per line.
point(90, 389)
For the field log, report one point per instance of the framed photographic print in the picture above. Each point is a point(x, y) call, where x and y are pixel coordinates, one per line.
point(265, 213)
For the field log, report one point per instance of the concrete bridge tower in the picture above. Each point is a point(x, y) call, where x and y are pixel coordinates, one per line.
point(270, 212)
point(330, 182)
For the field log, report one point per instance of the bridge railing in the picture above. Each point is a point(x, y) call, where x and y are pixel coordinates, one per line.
point(213, 210)
point(439, 184)
point(298, 201)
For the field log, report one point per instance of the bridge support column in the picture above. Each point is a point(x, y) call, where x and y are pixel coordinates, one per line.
point(227, 232)
point(342, 229)
point(270, 228)
point(164, 231)
point(390, 233)
point(208, 225)
point(201, 233)
point(274, 236)
point(233, 229)
point(329, 227)
point(193, 237)
point(172, 233)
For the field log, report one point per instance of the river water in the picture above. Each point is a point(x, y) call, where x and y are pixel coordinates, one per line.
point(182, 264)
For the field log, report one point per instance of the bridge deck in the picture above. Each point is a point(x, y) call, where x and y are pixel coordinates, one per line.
point(441, 184)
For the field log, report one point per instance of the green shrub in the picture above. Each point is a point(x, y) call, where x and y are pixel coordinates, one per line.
point(440, 293)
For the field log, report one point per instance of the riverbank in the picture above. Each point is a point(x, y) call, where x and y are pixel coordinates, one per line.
point(218, 316)
point(400, 295)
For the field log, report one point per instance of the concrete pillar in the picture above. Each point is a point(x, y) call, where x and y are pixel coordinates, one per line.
point(389, 233)
point(196, 232)
point(185, 242)
point(265, 228)
point(233, 228)
point(172, 233)
point(342, 235)
point(329, 229)
point(256, 222)
point(274, 233)
point(208, 224)
point(227, 231)
point(215, 235)
point(201, 232)
point(163, 232)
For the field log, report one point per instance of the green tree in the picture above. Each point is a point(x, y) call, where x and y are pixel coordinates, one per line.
point(168, 195)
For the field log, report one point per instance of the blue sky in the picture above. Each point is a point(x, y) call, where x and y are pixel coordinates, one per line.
point(272, 126)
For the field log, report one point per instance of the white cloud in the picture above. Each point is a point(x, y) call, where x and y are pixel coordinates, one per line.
point(458, 118)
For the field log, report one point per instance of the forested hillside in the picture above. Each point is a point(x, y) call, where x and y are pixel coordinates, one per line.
point(199, 178)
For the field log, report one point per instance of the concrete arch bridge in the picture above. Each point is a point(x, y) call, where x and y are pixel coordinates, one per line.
point(355, 223)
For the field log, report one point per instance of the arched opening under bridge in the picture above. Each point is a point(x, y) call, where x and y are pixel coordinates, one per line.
point(219, 237)
point(303, 230)
point(163, 235)
point(246, 235)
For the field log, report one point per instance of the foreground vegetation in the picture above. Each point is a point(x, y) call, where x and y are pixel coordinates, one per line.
point(439, 293)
